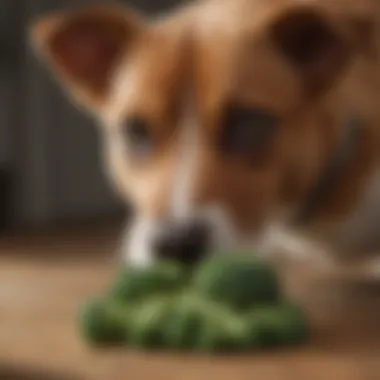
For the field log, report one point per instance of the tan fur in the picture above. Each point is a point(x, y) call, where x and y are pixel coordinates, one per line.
point(220, 51)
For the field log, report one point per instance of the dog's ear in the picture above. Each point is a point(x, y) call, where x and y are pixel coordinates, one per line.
point(85, 47)
point(312, 42)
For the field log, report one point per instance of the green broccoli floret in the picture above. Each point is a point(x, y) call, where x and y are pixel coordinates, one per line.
point(238, 282)
point(102, 321)
point(197, 324)
point(135, 284)
point(184, 324)
point(147, 325)
point(277, 325)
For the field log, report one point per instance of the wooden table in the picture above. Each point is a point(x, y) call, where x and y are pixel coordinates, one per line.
point(43, 280)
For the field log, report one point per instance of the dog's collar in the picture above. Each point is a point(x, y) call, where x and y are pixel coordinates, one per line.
point(332, 172)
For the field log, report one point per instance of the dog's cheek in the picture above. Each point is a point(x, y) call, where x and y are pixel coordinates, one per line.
point(118, 172)
point(250, 198)
point(142, 186)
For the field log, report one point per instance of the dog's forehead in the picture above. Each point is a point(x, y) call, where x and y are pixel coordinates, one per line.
point(199, 49)
point(153, 70)
point(233, 58)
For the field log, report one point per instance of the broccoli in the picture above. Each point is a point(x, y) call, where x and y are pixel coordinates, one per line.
point(197, 324)
point(277, 325)
point(237, 282)
point(184, 323)
point(230, 303)
point(102, 321)
point(173, 322)
point(147, 323)
point(138, 283)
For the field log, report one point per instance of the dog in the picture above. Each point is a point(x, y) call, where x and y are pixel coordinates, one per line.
point(232, 124)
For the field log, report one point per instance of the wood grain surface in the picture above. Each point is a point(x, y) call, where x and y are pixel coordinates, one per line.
point(44, 279)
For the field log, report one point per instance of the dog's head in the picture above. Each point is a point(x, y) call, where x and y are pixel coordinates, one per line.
point(211, 116)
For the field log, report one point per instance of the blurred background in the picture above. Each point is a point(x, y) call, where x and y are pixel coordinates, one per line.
point(50, 172)
point(52, 194)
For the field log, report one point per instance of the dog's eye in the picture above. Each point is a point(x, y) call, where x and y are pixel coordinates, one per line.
point(138, 137)
point(247, 130)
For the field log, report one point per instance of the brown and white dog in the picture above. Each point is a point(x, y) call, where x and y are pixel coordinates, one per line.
point(233, 123)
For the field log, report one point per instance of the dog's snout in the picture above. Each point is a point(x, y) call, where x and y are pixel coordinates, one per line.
point(184, 242)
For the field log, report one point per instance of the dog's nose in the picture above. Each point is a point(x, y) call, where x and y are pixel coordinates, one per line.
point(185, 243)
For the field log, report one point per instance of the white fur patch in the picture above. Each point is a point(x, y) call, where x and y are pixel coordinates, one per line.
point(182, 208)
point(137, 247)
point(185, 169)
point(278, 241)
